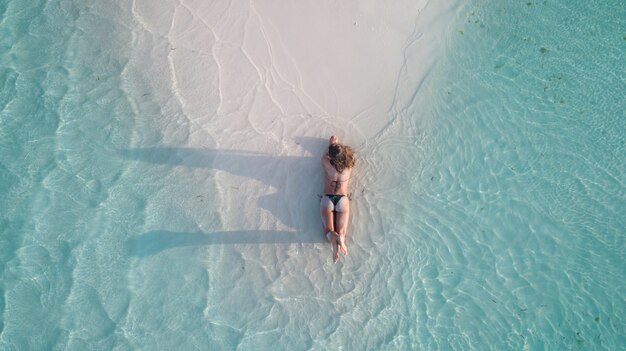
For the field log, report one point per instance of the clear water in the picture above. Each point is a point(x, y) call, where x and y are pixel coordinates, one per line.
point(489, 214)
point(520, 192)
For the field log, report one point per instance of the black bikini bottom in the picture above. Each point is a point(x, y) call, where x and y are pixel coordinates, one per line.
point(334, 198)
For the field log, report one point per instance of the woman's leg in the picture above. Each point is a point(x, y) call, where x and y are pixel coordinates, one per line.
point(328, 225)
point(342, 215)
point(328, 220)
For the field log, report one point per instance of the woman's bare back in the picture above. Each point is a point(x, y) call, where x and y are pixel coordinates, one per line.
point(334, 181)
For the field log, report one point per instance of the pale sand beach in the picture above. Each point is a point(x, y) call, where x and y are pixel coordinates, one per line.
point(251, 92)
point(257, 89)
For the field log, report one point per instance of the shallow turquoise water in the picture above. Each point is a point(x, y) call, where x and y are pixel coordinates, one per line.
point(504, 228)
point(63, 116)
point(523, 178)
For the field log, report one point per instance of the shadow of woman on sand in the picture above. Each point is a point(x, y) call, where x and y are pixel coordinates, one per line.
point(295, 178)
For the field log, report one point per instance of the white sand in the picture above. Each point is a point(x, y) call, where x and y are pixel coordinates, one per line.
point(249, 92)
point(235, 102)
point(230, 78)
point(256, 76)
point(342, 64)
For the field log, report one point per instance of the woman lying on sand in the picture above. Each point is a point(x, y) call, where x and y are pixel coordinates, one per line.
point(335, 204)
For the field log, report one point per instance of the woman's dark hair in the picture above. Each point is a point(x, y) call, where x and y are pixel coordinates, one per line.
point(341, 156)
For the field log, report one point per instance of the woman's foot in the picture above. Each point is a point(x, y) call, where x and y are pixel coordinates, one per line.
point(332, 236)
point(342, 244)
